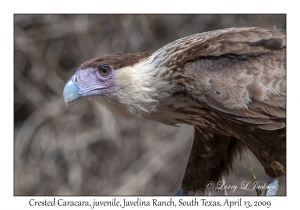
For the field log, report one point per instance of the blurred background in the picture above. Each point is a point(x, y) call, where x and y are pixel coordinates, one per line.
point(83, 149)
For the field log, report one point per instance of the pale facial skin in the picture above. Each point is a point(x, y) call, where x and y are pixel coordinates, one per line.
point(89, 82)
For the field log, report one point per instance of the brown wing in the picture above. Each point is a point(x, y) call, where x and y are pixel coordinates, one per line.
point(241, 75)
point(212, 156)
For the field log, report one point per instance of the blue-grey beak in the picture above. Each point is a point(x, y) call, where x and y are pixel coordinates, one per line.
point(71, 92)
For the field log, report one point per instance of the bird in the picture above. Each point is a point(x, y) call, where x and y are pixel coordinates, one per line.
point(229, 84)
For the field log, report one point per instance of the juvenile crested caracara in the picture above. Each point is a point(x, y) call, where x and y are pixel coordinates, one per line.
point(229, 84)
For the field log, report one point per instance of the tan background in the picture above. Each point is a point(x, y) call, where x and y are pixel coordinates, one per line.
point(83, 149)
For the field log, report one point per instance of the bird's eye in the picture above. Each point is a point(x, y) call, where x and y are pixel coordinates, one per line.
point(104, 70)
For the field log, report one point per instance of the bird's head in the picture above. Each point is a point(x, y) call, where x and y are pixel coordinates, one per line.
point(128, 84)
point(89, 82)
point(95, 80)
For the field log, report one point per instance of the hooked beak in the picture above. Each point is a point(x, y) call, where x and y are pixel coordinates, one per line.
point(71, 92)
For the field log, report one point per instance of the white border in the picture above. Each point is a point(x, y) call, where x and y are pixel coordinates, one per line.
point(153, 6)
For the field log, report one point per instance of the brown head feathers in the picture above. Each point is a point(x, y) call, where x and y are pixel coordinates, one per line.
point(117, 61)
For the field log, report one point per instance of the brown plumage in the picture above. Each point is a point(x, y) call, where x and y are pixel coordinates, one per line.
point(229, 84)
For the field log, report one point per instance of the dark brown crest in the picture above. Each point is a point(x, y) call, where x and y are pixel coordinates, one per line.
point(117, 61)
